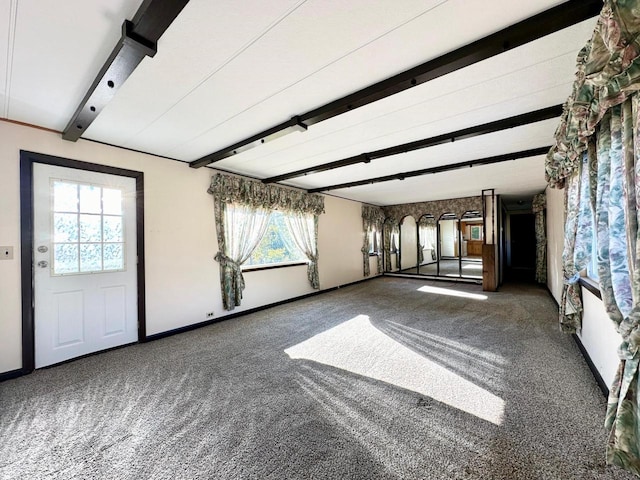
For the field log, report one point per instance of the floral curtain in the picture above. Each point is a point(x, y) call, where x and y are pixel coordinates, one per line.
point(579, 196)
point(608, 71)
point(617, 209)
point(304, 230)
point(538, 207)
point(242, 207)
point(240, 229)
point(372, 221)
point(391, 232)
point(600, 123)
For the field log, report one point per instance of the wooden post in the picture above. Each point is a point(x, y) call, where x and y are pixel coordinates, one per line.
point(489, 283)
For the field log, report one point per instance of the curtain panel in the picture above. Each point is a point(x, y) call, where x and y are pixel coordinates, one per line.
point(240, 228)
point(617, 209)
point(241, 209)
point(538, 207)
point(579, 202)
point(304, 230)
point(389, 230)
point(595, 156)
point(603, 194)
point(372, 222)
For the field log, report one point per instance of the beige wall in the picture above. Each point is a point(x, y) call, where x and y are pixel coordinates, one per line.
point(182, 279)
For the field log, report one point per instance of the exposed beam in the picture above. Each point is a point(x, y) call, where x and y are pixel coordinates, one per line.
point(545, 23)
point(491, 127)
point(442, 168)
point(139, 39)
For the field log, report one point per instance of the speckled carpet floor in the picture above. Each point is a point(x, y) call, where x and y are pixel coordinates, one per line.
point(391, 378)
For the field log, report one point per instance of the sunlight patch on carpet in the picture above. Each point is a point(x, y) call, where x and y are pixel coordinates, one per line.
point(359, 347)
point(451, 293)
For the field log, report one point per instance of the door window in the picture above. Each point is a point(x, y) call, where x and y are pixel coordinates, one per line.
point(87, 228)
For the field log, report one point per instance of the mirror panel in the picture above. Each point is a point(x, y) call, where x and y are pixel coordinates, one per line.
point(408, 250)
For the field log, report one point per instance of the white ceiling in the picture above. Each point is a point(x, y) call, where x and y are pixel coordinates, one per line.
point(223, 73)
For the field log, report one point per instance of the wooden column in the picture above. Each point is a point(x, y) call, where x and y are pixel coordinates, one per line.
point(489, 283)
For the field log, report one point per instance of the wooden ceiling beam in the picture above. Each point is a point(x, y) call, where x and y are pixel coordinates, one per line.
point(139, 39)
point(442, 168)
point(465, 133)
point(533, 28)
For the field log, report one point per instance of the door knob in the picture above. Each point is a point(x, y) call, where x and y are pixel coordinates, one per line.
point(43, 264)
point(42, 249)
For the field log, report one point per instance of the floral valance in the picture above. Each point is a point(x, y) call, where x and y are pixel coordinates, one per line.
point(435, 208)
point(233, 189)
point(608, 71)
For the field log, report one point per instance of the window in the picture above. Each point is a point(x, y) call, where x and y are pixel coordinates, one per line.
point(87, 228)
point(277, 245)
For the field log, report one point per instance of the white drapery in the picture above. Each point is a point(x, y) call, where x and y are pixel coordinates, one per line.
point(243, 227)
point(304, 231)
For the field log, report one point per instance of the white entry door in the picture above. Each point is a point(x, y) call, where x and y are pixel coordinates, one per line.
point(85, 276)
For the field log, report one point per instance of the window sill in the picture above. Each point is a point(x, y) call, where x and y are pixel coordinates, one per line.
point(256, 268)
point(591, 285)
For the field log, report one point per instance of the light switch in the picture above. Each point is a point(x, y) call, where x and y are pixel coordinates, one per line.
point(6, 253)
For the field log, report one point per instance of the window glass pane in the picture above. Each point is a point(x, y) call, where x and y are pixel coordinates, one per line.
point(91, 240)
point(65, 258)
point(90, 228)
point(112, 229)
point(65, 227)
point(111, 201)
point(65, 197)
point(90, 199)
point(90, 257)
point(277, 245)
point(113, 256)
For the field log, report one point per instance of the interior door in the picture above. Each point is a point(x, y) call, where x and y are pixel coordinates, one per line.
point(85, 277)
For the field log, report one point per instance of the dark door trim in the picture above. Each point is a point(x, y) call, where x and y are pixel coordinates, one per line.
point(27, 159)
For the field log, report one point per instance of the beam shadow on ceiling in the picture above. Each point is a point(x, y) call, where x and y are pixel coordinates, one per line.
point(139, 39)
point(442, 168)
point(533, 28)
point(465, 133)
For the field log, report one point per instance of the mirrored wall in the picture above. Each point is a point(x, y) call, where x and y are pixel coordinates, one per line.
point(447, 246)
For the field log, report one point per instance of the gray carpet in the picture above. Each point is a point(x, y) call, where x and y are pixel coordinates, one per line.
point(374, 381)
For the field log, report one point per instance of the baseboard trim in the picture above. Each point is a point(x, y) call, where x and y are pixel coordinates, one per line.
point(601, 383)
point(194, 326)
point(11, 374)
point(594, 371)
point(546, 287)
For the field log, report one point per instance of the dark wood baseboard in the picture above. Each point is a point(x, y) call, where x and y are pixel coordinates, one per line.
point(11, 374)
point(599, 380)
point(594, 371)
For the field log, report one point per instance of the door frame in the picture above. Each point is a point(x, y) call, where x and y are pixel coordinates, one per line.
point(27, 159)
